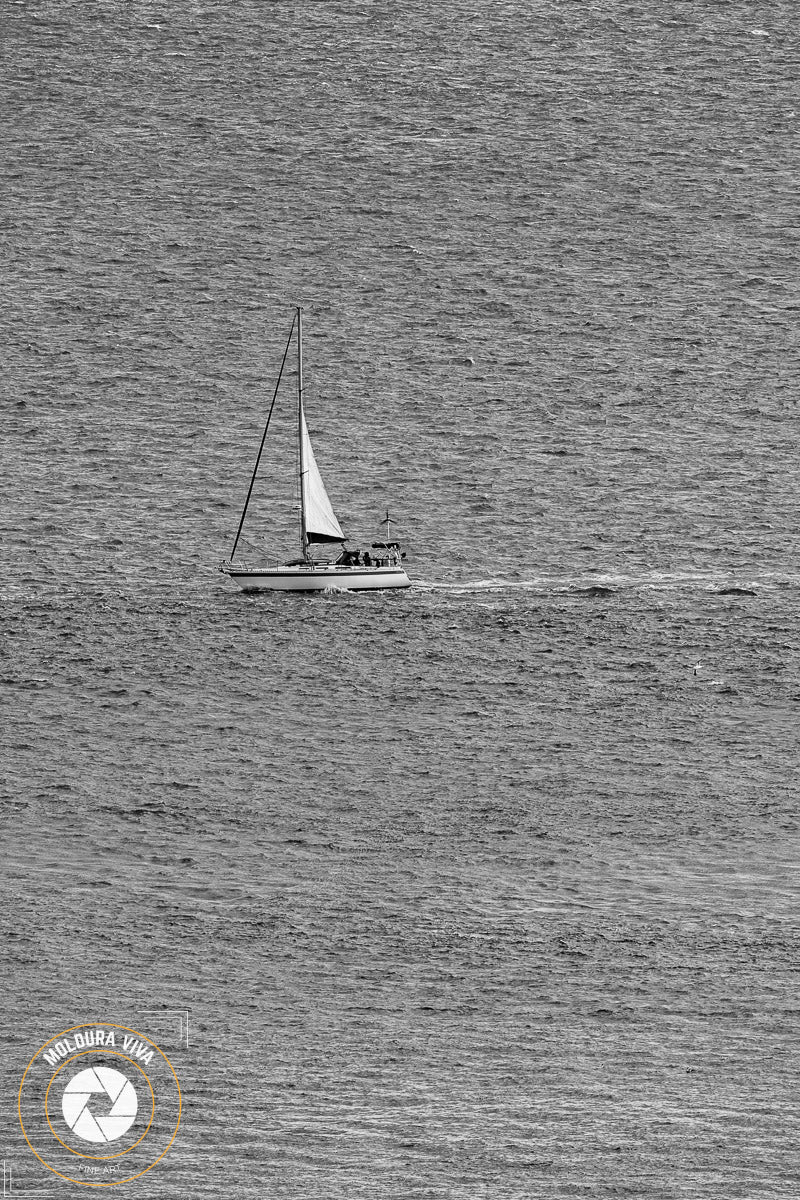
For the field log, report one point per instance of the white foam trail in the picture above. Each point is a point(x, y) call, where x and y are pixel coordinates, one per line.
point(656, 581)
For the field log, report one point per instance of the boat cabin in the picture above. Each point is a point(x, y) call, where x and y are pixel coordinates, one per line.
point(388, 554)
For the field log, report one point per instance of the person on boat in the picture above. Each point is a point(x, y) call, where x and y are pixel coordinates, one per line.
point(367, 559)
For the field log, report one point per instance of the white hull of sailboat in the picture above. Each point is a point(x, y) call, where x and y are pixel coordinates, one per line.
point(319, 579)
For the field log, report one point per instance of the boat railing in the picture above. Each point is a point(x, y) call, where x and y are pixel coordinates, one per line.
point(392, 560)
point(226, 566)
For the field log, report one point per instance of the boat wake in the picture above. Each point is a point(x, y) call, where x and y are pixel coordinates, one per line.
point(605, 585)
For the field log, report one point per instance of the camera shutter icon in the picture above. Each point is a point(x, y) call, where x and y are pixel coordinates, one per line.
point(85, 1104)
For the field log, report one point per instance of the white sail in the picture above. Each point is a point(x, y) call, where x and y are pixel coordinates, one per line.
point(321, 523)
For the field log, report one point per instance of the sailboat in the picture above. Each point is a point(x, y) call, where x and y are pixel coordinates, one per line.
point(380, 566)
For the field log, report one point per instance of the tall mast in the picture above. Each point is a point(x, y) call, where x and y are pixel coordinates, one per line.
point(303, 533)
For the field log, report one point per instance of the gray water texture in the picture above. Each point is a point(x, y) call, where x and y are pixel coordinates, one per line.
point(487, 889)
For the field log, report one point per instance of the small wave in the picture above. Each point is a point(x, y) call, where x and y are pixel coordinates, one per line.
point(596, 589)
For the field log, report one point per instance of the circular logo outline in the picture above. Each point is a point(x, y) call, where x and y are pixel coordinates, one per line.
point(87, 1182)
point(100, 1157)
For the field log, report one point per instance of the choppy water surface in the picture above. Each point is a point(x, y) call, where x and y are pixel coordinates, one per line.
point(488, 888)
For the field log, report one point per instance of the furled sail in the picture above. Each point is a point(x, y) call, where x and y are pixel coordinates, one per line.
point(321, 523)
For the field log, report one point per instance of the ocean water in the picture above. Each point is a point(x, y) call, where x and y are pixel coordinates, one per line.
point(488, 888)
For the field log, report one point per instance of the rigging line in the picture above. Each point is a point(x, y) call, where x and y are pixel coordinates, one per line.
point(263, 440)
